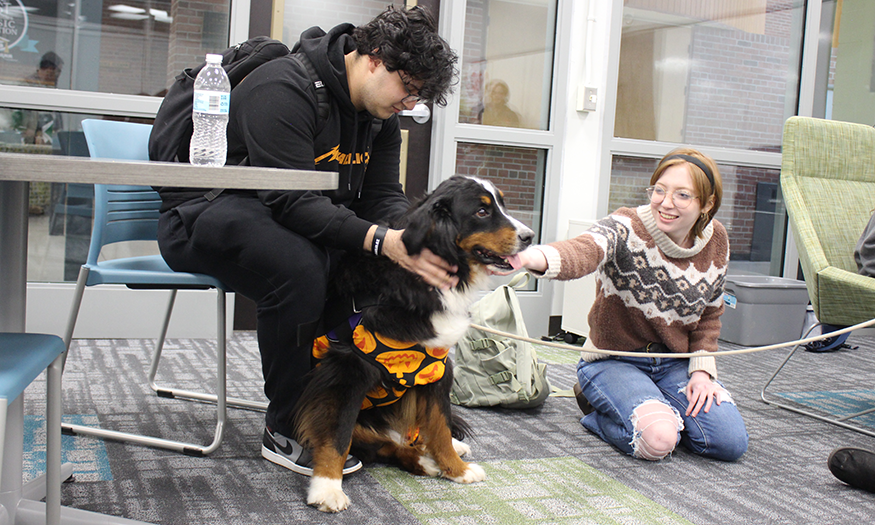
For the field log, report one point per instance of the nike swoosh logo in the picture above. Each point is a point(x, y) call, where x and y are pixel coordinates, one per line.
point(287, 450)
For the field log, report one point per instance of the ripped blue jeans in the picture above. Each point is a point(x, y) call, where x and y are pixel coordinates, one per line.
point(621, 389)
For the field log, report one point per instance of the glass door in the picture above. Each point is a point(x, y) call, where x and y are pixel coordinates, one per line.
point(502, 125)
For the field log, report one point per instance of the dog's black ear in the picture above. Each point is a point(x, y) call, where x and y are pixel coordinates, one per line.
point(431, 225)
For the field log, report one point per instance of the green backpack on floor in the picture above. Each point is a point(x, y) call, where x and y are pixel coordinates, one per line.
point(490, 370)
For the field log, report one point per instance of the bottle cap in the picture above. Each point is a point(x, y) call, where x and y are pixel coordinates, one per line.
point(214, 58)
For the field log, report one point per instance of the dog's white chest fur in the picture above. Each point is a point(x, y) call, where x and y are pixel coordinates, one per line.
point(452, 323)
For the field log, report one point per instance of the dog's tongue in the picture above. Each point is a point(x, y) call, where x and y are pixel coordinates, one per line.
point(514, 260)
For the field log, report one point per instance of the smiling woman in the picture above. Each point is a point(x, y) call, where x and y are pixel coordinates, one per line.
point(661, 269)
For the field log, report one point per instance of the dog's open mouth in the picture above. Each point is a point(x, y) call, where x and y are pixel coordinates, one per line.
point(491, 258)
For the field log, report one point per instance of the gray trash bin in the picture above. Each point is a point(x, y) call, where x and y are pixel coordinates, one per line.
point(762, 310)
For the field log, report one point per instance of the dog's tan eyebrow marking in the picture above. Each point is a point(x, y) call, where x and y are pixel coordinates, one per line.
point(486, 200)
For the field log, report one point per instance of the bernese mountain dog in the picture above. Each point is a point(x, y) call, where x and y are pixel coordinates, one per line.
point(381, 383)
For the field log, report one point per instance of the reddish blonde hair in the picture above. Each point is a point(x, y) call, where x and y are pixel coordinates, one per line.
point(701, 184)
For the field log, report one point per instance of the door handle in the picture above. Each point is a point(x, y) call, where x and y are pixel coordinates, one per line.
point(420, 113)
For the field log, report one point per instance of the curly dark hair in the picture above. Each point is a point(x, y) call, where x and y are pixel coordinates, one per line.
point(407, 40)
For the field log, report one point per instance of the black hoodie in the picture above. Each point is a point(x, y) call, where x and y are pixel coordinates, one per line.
point(274, 122)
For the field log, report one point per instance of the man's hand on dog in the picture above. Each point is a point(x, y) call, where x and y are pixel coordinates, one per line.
point(434, 270)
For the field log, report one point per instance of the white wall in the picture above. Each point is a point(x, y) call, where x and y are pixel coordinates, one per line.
point(114, 312)
point(580, 183)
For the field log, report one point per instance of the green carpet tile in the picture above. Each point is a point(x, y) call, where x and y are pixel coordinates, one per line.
point(560, 490)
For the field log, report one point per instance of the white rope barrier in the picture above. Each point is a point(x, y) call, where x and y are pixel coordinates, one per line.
point(678, 355)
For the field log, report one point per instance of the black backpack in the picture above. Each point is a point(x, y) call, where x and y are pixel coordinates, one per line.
point(173, 126)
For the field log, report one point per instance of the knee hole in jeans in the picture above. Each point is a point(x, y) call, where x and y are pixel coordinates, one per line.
point(656, 427)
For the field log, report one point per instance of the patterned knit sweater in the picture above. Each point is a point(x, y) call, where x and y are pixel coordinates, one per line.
point(649, 289)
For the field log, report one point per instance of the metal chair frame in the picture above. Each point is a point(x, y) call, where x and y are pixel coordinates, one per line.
point(125, 213)
point(839, 421)
point(23, 357)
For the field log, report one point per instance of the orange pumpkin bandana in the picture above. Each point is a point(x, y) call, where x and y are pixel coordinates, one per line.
point(405, 364)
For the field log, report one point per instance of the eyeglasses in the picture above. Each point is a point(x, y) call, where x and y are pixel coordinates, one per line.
point(680, 198)
point(411, 97)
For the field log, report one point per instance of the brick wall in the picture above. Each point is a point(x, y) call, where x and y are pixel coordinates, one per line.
point(187, 42)
point(629, 177)
point(327, 14)
point(737, 89)
point(517, 172)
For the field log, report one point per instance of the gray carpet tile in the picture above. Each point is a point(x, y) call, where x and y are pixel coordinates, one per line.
point(783, 478)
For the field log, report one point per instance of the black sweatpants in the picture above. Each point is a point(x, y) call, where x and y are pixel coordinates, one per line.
point(235, 239)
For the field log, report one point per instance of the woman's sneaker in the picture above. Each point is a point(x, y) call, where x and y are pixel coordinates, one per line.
point(286, 452)
point(582, 401)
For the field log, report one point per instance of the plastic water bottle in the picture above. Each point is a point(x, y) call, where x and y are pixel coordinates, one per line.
point(212, 101)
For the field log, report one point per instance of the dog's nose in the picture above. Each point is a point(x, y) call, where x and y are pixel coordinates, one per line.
point(526, 235)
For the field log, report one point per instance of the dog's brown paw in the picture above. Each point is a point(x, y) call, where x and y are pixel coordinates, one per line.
point(327, 495)
point(472, 474)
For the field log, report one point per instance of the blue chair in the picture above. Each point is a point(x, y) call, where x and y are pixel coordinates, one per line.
point(23, 357)
point(130, 213)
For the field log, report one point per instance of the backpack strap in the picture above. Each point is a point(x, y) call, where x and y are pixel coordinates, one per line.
point(323, 107)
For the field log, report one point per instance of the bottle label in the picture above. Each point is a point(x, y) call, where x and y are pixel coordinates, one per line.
point(212, 102)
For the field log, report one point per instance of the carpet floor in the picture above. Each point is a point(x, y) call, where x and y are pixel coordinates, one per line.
point(543, 466)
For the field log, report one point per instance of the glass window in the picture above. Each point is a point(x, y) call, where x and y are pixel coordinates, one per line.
point(849, 94)
point(125, 48)
point(751, 210)
point(709, 73)
point(507, 64)
point(60, 215)
point(134, 47)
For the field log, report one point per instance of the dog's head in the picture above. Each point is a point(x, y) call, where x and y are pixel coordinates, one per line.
point(465, 222)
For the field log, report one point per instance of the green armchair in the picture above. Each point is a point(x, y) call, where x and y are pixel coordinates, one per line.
point(828, 184)
point(828, 181)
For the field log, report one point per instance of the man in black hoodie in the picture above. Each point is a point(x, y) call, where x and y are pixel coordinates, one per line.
point(279, 247)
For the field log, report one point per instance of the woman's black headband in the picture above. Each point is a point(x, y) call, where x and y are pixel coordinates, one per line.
point(693, 160)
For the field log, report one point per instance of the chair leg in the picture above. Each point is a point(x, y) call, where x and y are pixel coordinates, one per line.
point(177, 393)
point(53, 440)
point(4, 409)
point(178, 446)
point(159, 347)
point(786, 406)
point(74, 311)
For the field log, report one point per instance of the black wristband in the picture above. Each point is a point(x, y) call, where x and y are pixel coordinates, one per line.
point(377, 242)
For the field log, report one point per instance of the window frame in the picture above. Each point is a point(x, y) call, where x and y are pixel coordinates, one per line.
point(737, 157)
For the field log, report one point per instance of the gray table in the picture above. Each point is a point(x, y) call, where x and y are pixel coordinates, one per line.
point(16, 171)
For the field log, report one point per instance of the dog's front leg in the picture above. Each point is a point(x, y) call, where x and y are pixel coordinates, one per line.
point(329, 455)
point(442, 449)
point(326, 417)
point(326, 492)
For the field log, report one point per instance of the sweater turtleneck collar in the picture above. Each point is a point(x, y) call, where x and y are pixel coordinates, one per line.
point(664, 242)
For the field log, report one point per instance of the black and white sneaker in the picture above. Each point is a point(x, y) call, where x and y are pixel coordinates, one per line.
point(286, 452)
